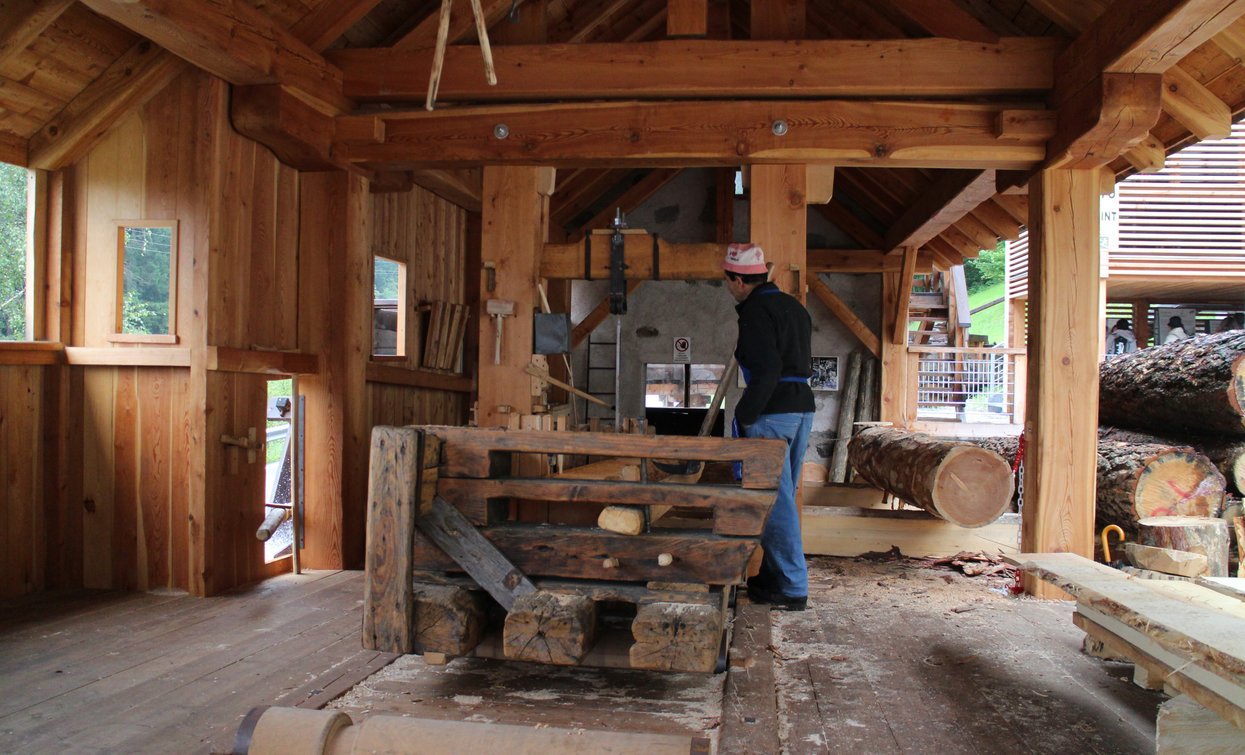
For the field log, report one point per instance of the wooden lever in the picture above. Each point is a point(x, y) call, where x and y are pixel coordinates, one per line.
point(247, 442)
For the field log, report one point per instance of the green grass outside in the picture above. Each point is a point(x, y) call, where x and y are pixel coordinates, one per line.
point(988, 322)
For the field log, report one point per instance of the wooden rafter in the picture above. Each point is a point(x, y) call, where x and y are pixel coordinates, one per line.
point(851, 224)
point(580, 192)
point(942, 18)
point(951, 196)
point(13, 149)
point(585, 20)
point(844, 313)
point(630, 199)
point(860, 261)
point(997, 220)
point(708, 68)
point(22, 21)
point(890, 134)
point(330, 20)
point(462, 27)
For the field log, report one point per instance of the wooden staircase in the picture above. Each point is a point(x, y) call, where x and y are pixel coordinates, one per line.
point(939, 307)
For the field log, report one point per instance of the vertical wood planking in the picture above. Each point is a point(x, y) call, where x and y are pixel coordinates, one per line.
point(98, 475)
point(125, 508)
point(21, 515)
point(1062, 407)
point(779, 223)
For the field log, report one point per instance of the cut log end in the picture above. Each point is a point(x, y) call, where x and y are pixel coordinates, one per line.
point(972, 487)
point(1179, 483)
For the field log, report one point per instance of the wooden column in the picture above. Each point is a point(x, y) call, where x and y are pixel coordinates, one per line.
point(1141, 322)
point(1017, 330)
point(779, 223)
point(515, 222)
point(335, 322)
point(1061, 430)
point(895, 393)
point(777, 19)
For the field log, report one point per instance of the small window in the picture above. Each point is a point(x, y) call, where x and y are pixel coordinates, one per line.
point(681, 385)
point(14, 250)
point(147, 281)
point(388, 308)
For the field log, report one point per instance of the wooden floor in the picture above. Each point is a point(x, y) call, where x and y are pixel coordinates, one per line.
point(890, 658)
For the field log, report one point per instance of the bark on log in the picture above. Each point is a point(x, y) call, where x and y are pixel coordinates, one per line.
point(1227, 454)
point(960, 482)
point(1137, 480)
point(847, 416)
point(1195, 385)
point(1195, 534)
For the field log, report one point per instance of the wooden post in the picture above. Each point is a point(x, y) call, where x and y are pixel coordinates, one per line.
point(895, 406)
point(779, 223)
point(1061, 425)
point(515, 218)
point(687, 18)
point(1141, 323)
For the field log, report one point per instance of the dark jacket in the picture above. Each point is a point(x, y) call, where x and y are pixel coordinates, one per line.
point(775, 335)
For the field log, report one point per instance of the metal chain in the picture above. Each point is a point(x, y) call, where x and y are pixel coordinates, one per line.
point(1020, 492)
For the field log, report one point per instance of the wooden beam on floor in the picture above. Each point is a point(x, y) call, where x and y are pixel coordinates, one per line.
point(749, 706)
point(695, 69)
point(850, 532)
point(688, 134)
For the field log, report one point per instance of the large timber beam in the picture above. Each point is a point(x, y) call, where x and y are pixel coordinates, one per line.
point(1105, 119)
point(685, 134)
point(951, 196)
point(233, 40)
point(691, 69)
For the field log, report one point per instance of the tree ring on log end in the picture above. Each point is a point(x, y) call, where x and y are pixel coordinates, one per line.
point(972, 486)
point(1178, 483)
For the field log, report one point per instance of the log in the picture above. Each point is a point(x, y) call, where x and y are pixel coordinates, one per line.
point(272, 521)
point(1137, 480)
point(676, 637)
point(550, 628)
point(847, 416)
point(1227, 454)
point(1185, 726)
point(956, 481)
point(1167, 561)
point(1194, 534)
point(1196, 385)
point(448, 619)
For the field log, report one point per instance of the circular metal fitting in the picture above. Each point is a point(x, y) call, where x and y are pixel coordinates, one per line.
point(779, 127)
point(501, 131)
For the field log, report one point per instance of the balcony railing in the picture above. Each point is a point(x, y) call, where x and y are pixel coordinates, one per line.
point(964, 385)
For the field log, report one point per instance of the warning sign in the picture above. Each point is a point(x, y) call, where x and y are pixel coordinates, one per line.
point(682, 350)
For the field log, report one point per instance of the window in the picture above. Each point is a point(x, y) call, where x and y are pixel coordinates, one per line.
point(147, 281)
point(388, 308)
point(681, 385)
point(14, 250)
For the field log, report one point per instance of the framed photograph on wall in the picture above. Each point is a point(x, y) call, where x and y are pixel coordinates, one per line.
point(825, 374)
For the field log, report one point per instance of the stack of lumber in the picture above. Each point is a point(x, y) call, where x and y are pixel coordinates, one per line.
point(1181, 635)
point(1187, 395)
point(960, 482)
point(445, 556)
point(857, 403)
point(444, 338)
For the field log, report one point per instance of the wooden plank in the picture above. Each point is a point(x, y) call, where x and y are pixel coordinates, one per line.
point(736, 511)
point(947, 200)
point(749, 705)
point(778, 217)
point(677, 261)
point(22, 21)
point(943, 19)
point(229, 359)
point(393, 504)
point(1194, 106)
point(468, 549)
point(696, 69)
point(841, 310)
point(861, 261)
point(1062, 403)
point(593, 554)
point(850, 532)
point(378, 372)
point(468, 449)
point(89, 356)
point(689, 134)
point(632, 197)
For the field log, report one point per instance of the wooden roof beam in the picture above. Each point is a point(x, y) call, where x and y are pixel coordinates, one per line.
point(22, 21)
point(461, 187)
point(951, 196)
point(462, 27)
point(13, 149)
point(997, 220)
point(232, 40)
point(630, 199)
point(692, 68)
point(943, 18)
point(324, 25)
point(1105, 119)
point(685, 134)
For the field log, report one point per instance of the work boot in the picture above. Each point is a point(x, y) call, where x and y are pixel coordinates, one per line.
point(775, 599)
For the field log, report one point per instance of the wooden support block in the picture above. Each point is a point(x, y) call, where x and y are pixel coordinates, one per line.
point(1146, 679)
point(448, 619)
point(458, 538)
point(1166, 560)
point(392, 507)
point(841, 531)
point(550, 628)
point(677, 637)
point(1205, 535)
point(1184, 727)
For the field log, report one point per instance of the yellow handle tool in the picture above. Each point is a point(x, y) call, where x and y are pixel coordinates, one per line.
point(1106, 548)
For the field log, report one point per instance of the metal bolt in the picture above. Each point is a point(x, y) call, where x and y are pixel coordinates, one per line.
point(501, 131)
point(779, 127)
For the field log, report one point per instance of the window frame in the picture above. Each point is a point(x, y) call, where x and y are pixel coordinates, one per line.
point(403, 302)
point(146, 338)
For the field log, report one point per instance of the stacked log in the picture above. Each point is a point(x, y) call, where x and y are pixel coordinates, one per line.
point(956, 481)
point(1227, 454)
point(1196, 385)
point(1138, 480)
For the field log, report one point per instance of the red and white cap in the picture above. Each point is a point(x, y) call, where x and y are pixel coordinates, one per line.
point(744, 259)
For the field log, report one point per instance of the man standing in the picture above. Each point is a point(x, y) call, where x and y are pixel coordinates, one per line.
point(775, 355)
point(1176, 330)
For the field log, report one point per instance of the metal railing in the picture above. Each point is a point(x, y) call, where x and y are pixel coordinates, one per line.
point(967, 384)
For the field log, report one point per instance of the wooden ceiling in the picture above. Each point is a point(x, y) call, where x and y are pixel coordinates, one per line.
point(69, 70)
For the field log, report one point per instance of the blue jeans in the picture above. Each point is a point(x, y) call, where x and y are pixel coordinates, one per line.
point(784, 567)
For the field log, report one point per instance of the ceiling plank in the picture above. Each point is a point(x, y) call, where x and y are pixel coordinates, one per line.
point(323, 26)
point(462, 26)
point(707, 68)
point(846, 221)
point(686, 134)
point(461, 187)
point(629, 200)
point(13, 149)
point(946, 201)
point(687, 18)
point(22, 21)
point(129, 82)
point(943, 18)
point(844, 313)
point(979, 232)
point(998, 220)
point(1016, 205)
point(1194, 106)
point(232, 40)
point(575, 196)
point(586, 20)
